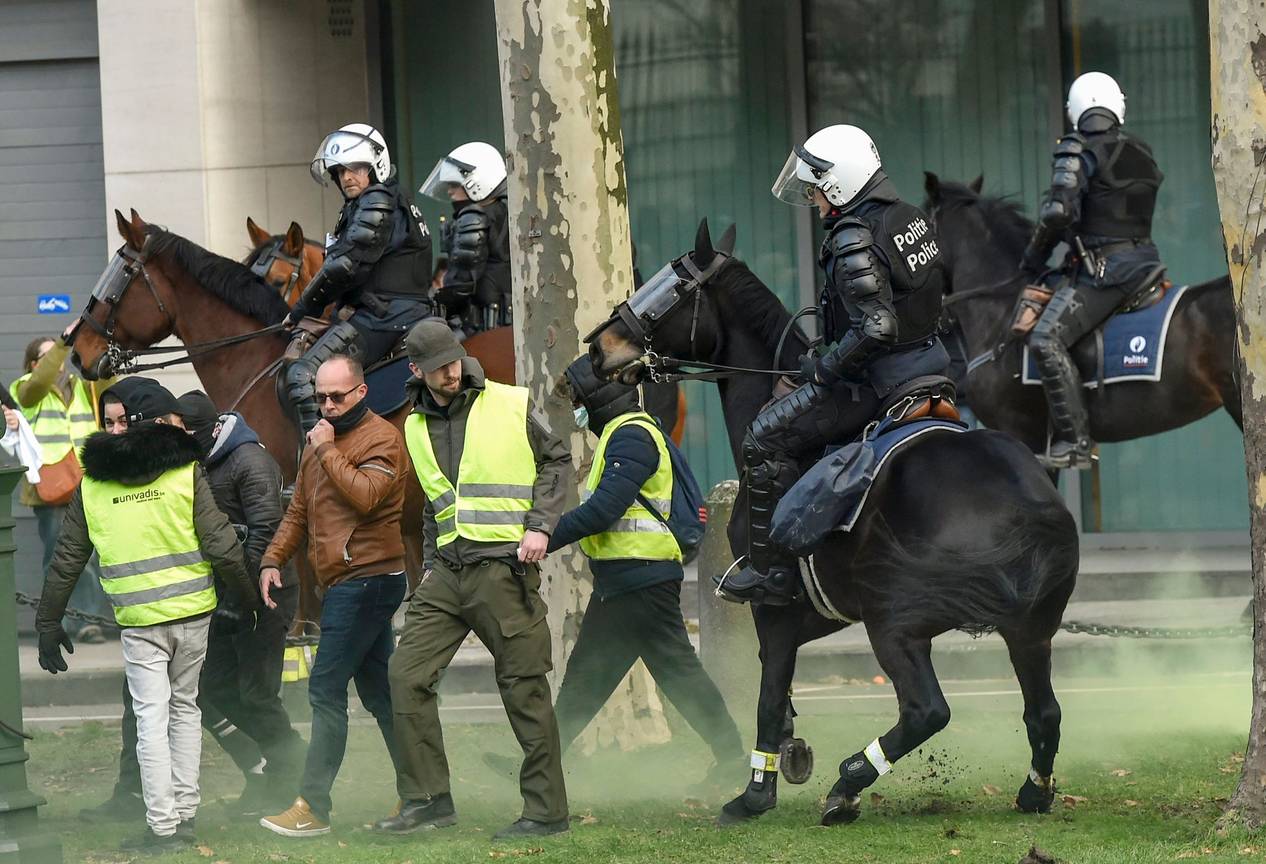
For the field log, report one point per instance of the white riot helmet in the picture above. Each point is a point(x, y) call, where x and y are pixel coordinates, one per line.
point(839, 160)
point(476, 167)
point(353, 144)
point(1095, 90)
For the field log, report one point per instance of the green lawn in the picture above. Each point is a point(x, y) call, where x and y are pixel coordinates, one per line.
point(1149, 767)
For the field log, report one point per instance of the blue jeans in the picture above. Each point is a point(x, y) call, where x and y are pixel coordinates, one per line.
point(88, 595)
point(356, 643)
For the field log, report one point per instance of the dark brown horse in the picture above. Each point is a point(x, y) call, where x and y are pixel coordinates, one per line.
point(982, 239)
point(166, 285)
point(276, 259)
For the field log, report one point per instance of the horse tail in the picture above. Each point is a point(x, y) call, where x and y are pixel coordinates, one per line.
point(975, 590)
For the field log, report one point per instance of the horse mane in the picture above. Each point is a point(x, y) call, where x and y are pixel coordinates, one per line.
point(232, 282)
point(763, 313)
point(1003, 214)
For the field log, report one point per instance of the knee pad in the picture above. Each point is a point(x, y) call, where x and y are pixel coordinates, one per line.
point(300, 379)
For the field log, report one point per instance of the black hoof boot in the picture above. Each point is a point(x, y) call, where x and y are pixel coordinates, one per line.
point(796, 761)
point(841, 806)
point(759, 797)
point(1035, 798)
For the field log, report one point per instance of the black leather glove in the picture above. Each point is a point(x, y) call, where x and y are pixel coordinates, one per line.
point(231, 619)
point(809, 368)
point(51, 645)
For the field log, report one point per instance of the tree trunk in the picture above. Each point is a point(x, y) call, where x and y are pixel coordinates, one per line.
point(571, 259)
point(1238, 73)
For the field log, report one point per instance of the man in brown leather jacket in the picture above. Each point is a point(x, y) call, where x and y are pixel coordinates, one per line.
point(347, 502)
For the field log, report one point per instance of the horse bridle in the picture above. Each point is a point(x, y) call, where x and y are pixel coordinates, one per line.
point(110, 289)
point(274, 252)
point(654, 302)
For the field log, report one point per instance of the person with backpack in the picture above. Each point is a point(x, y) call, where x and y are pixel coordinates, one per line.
point(641, 507)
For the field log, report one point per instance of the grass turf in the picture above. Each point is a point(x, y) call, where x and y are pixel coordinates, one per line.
point(1142, 775)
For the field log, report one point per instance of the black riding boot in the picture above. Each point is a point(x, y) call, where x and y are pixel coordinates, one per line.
point(1062, 382)
point(770, 576)
point(300, 376)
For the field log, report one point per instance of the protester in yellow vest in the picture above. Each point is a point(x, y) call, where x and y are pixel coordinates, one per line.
point(635, 609)
point(495, 478)
point(146, 508)
point(60, 408)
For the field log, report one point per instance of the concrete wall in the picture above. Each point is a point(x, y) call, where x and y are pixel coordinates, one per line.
point(211, 111)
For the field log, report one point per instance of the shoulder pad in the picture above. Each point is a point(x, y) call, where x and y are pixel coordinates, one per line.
point(1073, 144)
point(376, 198)
point(472, 219)
point(849, 235)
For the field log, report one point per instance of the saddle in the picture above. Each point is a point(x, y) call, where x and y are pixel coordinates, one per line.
point(928, 397)
point(1033, 300)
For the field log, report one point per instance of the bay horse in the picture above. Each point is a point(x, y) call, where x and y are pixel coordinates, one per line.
point(981, 239)
point(165, 285)
point(961, 531)
point(276, 259)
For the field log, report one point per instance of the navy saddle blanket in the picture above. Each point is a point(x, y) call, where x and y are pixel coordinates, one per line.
point(386, 386)
point(1133, 346)
point(831, 494)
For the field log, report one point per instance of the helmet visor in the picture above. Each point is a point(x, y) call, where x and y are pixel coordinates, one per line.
point(447, 174)
point(341, 149)
point(789, 187)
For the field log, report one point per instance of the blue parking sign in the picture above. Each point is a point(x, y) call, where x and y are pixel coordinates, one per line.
point(53, 304)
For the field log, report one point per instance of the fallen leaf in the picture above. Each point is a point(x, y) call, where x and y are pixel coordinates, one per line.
point(495, 854)
point(1131, 803)
point(205, 851)
point(955, 852)
point(1073, 800)
point(990, 789)
point(876, 799)
point(342, 845)
point(588, 819)
point(1121, 772)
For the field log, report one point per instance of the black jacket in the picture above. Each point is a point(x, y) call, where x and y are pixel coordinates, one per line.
point(246, 482)
point(136, 458)
point(630, 460)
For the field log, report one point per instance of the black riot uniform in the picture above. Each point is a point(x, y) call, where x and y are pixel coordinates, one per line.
point(880, 305)
point(378, 267)
point(1103, 194)
point(476, 289)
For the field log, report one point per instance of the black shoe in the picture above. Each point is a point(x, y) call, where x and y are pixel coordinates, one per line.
point(186, 830)
point(119, 807)
point(434, 812)
point(257, 798)
point(531, 828)
point(778, 587)
point(150, 843)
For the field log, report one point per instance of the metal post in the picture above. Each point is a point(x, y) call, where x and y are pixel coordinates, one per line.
point(20, 838)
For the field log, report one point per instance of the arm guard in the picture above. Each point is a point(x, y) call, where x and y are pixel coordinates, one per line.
point(859, 275)
point(363, 241)
point(468, 254)
point(1061, 208)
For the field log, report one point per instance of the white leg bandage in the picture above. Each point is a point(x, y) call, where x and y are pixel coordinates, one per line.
point(762, 762)
point(878, 760)
point(1038, 780)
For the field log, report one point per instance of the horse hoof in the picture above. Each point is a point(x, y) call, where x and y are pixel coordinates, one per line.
point(796, 761)
point(736, 812)
point(1033, 798)
point(841, 809)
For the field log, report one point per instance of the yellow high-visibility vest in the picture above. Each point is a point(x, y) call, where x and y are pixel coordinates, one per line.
point(152, 568)
point(57, 426)
point(636, 534)
point(494, 480)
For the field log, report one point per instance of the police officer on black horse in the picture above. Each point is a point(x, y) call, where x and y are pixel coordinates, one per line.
point(880, 307)
point(476, 290)
point(377, 264)
point(1103, 193)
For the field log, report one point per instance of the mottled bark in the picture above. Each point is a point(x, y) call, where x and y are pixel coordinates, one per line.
point(1238, 77)
point(571, 258)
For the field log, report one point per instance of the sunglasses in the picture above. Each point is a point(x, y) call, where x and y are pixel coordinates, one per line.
point(336, 398)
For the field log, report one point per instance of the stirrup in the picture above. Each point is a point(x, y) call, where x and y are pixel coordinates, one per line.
point(720, 581)
point(1074, 460)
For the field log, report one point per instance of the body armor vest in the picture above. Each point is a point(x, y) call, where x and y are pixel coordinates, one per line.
point(1121, 195)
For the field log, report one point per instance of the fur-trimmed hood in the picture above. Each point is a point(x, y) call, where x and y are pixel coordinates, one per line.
point(140, 454)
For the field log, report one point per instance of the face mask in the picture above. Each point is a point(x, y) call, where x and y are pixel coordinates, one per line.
point(582, 417)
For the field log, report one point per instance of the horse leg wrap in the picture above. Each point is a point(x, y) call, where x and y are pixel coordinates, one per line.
point(761, 793)
point(862, 769)
point(1037, 794)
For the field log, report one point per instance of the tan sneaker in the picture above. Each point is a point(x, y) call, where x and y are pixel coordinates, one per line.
point(298, 821)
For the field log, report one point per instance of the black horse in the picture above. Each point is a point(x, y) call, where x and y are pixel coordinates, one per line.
point(961, 531)
point(981, 241)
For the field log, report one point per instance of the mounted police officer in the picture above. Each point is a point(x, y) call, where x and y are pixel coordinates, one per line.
point(1103, 193)
point(476, 289)
point(377, 264)
point(880, 307)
